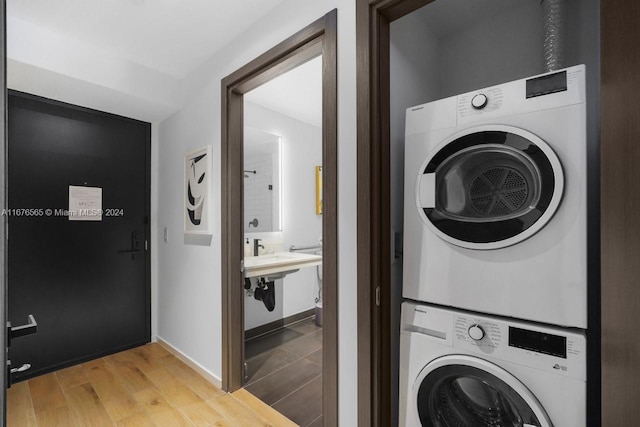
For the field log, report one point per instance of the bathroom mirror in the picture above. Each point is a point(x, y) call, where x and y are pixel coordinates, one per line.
point(262, 181)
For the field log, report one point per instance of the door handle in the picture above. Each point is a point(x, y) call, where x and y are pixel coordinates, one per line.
point(31, 327)
point(135, 245)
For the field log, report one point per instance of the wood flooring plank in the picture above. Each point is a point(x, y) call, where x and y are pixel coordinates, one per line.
point(304, 405)
point(87, 407)
point(140, 419)
point(159, 409)
point(61, 416)
point(46, 393)
point(122, 405)
point(104, 381)
point(98, 370)
point(154, 350)
point(170, 419)
point(194, 380)
point(19, 407)
point(117, 399)
point(135, 357)
point(262, 409)
point(203, 414)
point(236, 413)
point(129, 375)
point(71, 377)
point(176, 391)
point(114, 391)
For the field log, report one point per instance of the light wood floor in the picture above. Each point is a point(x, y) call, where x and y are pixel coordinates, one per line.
point(145, 386)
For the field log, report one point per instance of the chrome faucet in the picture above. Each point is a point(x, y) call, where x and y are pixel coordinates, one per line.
point(256, 246)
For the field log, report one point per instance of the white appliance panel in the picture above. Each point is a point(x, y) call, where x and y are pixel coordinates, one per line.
point(430, 334)
point(542, 278)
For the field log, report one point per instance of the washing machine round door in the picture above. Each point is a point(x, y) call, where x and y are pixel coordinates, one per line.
point(465, 391)
point(489, 187)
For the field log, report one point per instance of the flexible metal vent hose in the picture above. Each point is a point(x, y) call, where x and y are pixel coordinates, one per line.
point(554, 23)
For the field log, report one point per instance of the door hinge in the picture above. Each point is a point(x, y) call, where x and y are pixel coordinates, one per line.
point(378, 296)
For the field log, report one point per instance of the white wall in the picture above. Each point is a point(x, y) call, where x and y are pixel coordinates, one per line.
point(301, 153)
point(189, 292)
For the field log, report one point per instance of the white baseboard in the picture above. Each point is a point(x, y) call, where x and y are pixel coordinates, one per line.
point(190, 362)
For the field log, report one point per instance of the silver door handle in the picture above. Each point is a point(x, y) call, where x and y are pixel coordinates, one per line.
point(31, 327)
point(22, 368)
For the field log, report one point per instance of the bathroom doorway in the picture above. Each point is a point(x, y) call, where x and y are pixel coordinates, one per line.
point(282, 250)
point(279, 175)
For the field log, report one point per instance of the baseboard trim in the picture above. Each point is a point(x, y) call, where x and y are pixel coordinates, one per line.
point(277, 324)
point(190, 362)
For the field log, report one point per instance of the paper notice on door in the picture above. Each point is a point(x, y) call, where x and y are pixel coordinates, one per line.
point(85, 203)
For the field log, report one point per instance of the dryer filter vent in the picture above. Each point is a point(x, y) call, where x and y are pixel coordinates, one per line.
point(498, 191)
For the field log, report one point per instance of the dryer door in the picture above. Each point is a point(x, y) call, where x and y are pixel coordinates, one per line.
point(465, 391)
point(489, 187)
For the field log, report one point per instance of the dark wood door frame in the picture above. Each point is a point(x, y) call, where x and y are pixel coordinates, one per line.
point(617, 387)
point(320, 37)
point(375, 393)
point(3, 220)
point(620, 198)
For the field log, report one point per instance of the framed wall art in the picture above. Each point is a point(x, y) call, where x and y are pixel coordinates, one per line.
point(197, 192)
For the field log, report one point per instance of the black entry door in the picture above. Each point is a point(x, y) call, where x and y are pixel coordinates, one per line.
point(85, 281)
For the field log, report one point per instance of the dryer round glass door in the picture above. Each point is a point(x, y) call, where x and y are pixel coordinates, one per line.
point(464, 391)
point(489, 187)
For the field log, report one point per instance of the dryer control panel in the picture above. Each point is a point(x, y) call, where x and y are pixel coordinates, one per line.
point(551, 349)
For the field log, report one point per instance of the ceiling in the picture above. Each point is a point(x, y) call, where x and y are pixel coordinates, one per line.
point(124, 56)
point(296, 93)
point(169, 36)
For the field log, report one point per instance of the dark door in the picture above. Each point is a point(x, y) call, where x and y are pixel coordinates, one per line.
point(85, 281)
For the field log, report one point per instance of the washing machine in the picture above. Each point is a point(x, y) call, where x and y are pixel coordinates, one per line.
point(495, 200)
point(469, 370)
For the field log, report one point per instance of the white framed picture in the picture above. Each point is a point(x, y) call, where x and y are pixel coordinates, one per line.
point(197, 192)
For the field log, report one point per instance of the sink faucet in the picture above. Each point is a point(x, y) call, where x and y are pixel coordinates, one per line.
point(256, 246)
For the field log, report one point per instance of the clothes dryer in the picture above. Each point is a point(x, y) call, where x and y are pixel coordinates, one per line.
point(495, 200)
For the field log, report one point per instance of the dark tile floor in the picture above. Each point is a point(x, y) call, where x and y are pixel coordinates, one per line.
point(284, 370)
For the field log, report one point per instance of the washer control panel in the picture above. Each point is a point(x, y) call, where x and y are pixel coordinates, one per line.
point(480, 333)
point(476, 332)
point(551, 349)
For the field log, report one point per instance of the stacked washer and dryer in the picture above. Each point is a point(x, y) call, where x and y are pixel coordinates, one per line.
point(495, 253)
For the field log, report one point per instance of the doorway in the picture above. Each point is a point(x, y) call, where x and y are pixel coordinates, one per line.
point(317, 39)
point(283, 243)
point(377, 114)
